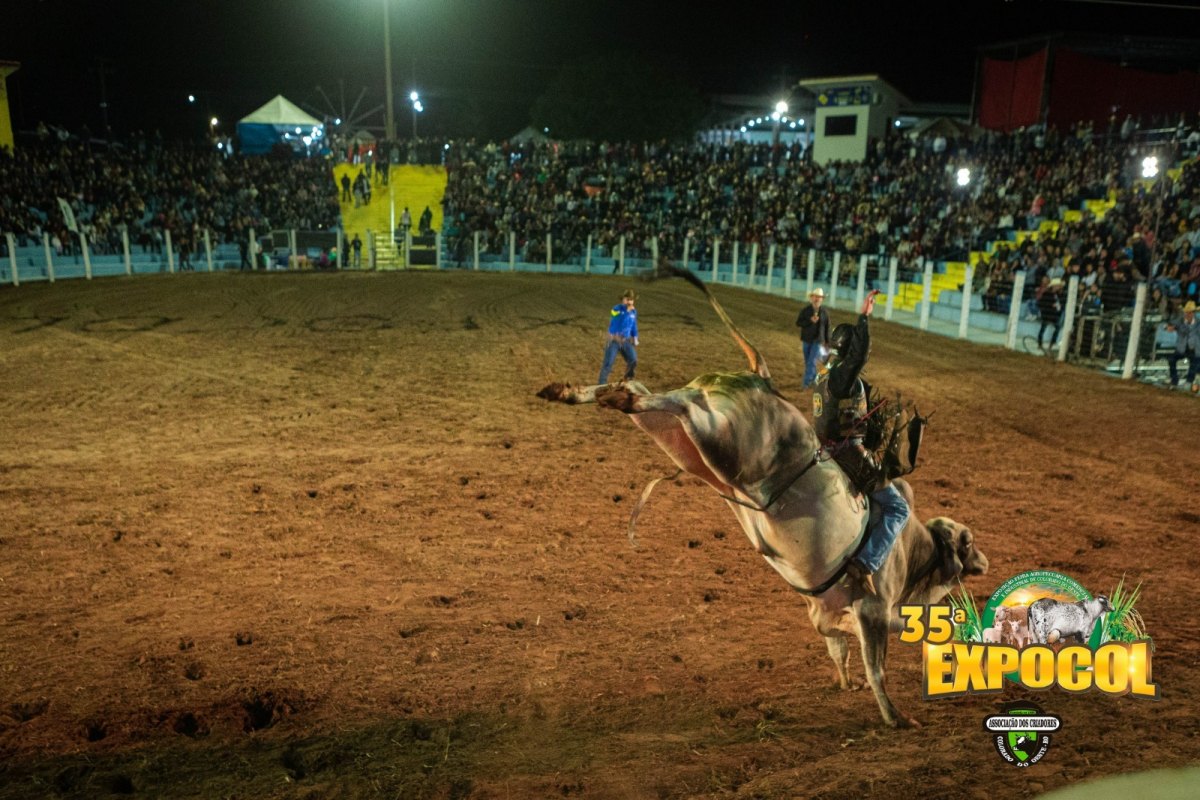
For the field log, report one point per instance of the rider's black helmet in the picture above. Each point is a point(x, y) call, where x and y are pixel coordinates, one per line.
point(839, 340)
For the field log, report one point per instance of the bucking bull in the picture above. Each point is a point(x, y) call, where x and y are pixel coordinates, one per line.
point(739, 435)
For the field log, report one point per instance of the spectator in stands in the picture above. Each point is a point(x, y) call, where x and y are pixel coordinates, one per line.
point(1049, 308)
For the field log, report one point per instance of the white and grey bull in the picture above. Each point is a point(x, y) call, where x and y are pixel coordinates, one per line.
point(735, 432)
point(1051, 620)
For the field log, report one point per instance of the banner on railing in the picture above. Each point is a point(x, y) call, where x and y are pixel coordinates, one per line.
point(68, 215)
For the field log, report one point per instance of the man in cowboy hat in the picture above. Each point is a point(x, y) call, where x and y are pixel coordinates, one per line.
point(622, 337)
point(1187, 345)
point(813, 323)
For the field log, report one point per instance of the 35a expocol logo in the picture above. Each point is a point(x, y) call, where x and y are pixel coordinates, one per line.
point(1039, 629)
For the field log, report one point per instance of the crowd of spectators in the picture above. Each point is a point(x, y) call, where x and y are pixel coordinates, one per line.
point(903, 200)
point(153, 187)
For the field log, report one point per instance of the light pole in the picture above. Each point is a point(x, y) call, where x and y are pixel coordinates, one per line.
point(781, 108)
point(417, 108)
point(389, 124)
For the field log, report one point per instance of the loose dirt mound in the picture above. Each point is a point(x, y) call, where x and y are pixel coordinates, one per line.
point(313, 535)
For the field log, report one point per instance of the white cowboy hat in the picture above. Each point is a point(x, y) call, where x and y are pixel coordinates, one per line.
point(817, 292)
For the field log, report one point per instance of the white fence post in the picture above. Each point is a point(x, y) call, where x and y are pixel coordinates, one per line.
point(341, 240)
point(1064, 336)
point(252, 253)
point(475, 251)
point(893, 263)
point(687, 241)
point(654, 250)
point(587, 257)
point(770, 265)
point(860, 291)
point(621, 251)
point(733, 275)
point(125, 249)
point(752, 275)
point(1135, 331)
point(716, 257)
point(1014, 309)
point(170, 252)
point(927, 295)
point(87, 256)
point(964, 313)
point(208, 249)
point(437, 250)
point(49, 257)
point(12, 257)
point(549, 252)
point(787, 274)
point(512, 251)
point(833, 278)
point(295, 256)
point(812, 267)
point(408, 262)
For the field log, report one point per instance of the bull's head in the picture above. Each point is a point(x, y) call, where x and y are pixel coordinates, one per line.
point(958, 543)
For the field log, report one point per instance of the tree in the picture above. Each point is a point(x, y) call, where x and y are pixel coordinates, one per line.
point(618, 97)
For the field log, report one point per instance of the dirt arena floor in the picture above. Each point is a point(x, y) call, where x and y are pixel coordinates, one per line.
point(314, 536)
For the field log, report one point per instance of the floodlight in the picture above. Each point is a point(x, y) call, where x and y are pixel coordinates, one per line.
point(418, 107)
point(1149, 166)
point(337, 121)
point(964, 176)
point(781, 107)
point(213, 122)
point(191, 98)
point(414, 96)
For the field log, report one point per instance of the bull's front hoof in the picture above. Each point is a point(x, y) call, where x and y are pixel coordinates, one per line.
point(905, 721)
point(554, 391)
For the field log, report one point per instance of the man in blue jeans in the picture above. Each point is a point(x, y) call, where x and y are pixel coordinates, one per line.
point(622, 337)
point(813, 323)
point(839, 417)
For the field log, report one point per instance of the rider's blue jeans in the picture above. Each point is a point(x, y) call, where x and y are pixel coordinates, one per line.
point(893, 514)
point(610, 356)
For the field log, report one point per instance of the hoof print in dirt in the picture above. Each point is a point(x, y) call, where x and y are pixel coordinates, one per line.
point(408, 633)
point(194, 671)
point(507, 444)
point(442, 600)
point(464, 480)
point(264, 710)
point(186, 644)
point(617, 498)
point(243, 638)
point(23, 712)
point(711, 596)
point(189, 725)
point(95, 730)
point(312, 492)
point(256, 489)
point(693, 544)
point(578, 613)
point(515, 625)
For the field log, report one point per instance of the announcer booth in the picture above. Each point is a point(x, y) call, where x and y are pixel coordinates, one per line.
point(850, 112)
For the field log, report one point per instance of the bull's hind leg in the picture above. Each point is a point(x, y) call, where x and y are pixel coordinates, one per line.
point(839, 651)
point(873, 635)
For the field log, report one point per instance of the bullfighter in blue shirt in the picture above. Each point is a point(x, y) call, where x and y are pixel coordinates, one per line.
point(622, 337)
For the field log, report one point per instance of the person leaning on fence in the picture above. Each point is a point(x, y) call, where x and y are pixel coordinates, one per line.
point(622, 337)
point(1187, 345)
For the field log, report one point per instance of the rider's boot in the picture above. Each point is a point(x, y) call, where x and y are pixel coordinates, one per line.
point(860, 574)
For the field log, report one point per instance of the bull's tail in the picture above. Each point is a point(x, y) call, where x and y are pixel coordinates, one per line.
point(757, 364)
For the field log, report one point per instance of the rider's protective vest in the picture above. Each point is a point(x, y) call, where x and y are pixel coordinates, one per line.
point(835, 418)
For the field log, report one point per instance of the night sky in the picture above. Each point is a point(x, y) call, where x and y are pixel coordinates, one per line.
point(235, 55)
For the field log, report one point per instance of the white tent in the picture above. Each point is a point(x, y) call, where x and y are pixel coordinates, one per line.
point(279, 120)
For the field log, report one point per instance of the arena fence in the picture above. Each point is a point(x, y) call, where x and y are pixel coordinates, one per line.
point(1128, 342)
